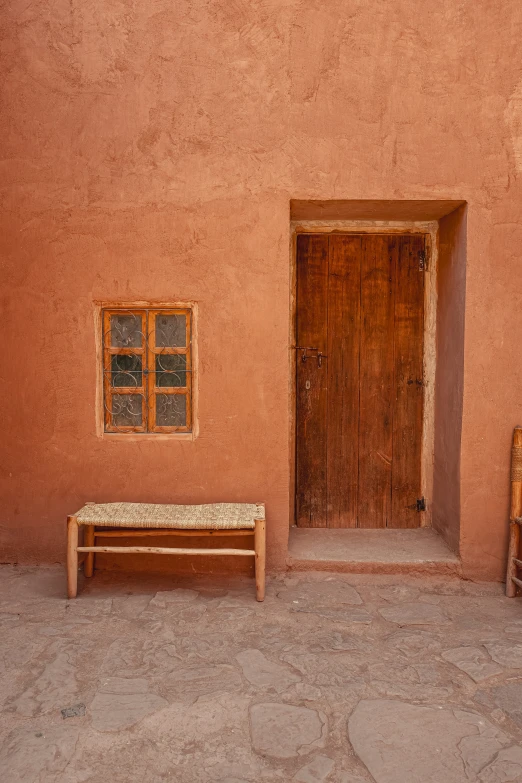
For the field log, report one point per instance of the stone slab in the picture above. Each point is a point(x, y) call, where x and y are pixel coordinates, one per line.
point(474, 661)
point(120, 703)
point(284, 731)
point(400, 742)
point(414, 613)
point(261, 672)
point(316, 771)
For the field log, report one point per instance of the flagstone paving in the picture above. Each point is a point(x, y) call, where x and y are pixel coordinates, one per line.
point(333, 679)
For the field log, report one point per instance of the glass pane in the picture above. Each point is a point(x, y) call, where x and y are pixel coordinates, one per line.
point(171, 331)
point(126, 331)
point(126, 370)
point(170, 370)
point(171, 410)
point(126, 410)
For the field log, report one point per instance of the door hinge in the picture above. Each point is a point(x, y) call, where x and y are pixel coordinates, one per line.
point(423, 261)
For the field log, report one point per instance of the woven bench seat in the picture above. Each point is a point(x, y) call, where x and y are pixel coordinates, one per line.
point(211, 516)
point(130, 520)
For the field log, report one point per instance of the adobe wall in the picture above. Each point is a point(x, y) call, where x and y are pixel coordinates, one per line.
point(150, 151)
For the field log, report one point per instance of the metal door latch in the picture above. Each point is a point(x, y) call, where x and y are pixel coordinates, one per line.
point(419, 505)
point(318, 354)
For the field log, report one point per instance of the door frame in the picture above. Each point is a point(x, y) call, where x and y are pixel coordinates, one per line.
point(430, 230)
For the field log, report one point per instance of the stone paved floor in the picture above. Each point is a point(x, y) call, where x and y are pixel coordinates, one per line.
point(337, 679)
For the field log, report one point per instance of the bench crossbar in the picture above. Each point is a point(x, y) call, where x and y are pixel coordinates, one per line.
point(160, 550)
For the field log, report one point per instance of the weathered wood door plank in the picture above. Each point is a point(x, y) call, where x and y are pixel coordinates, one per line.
point(344, 300)
point(312, 316)
point(376, 380)
point(409, 383)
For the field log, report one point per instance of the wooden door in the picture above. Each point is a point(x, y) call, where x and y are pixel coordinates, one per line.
point(360, 324)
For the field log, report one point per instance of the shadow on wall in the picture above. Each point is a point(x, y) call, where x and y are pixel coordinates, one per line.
point(449, 378)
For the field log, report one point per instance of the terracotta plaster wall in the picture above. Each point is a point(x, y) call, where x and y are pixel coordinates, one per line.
point(150, 150)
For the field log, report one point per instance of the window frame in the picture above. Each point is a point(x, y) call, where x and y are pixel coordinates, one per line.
point(148, 351)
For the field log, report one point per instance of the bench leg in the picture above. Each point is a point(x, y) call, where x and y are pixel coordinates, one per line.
point(260, 548)
point(88, 568)
point(72, 557)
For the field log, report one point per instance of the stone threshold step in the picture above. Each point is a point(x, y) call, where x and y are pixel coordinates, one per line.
point(419, 551)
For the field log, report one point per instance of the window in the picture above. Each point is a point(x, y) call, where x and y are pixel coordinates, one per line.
point(147, 370)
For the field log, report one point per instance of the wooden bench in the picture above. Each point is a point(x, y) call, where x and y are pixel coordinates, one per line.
point(115, 520)
point(514, 563)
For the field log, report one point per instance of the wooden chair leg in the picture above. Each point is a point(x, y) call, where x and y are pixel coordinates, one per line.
point(515, 512)
point(260, 549)
point(72, 557)
point(88, 568)
point(514, 537)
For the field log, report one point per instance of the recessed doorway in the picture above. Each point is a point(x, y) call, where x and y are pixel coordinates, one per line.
point(359, 380)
